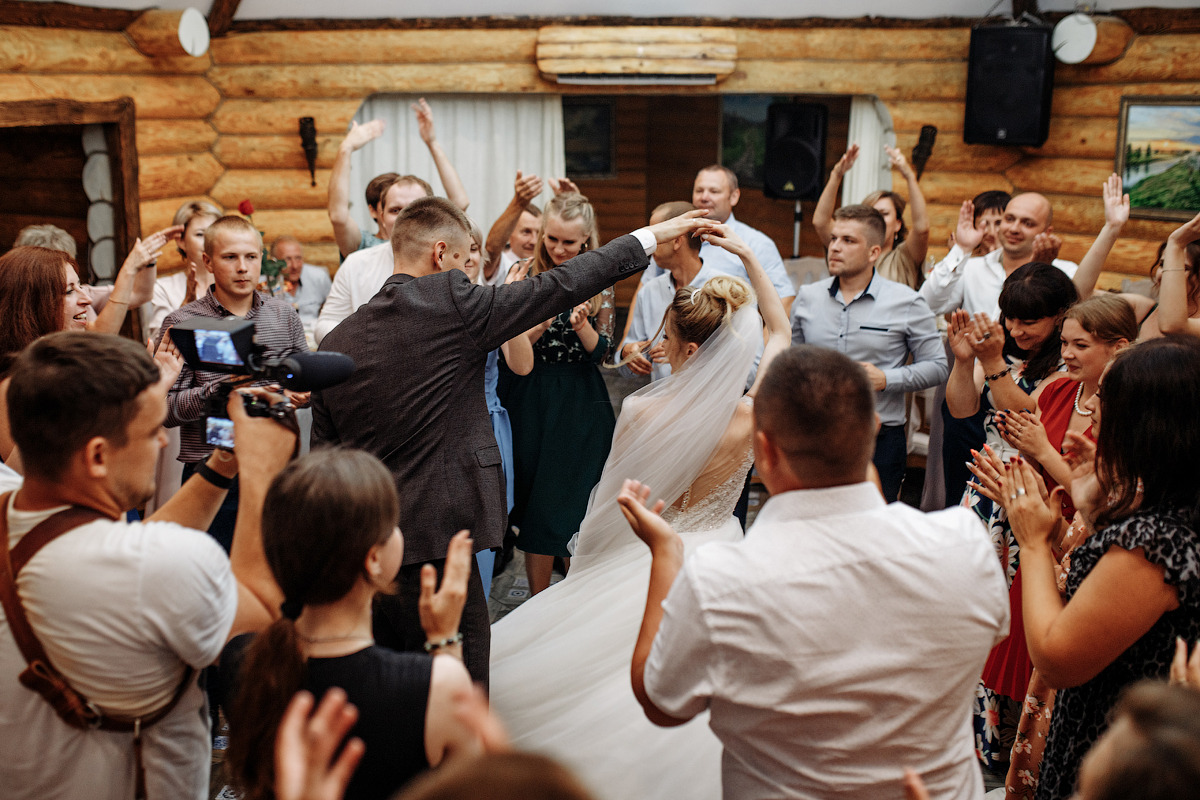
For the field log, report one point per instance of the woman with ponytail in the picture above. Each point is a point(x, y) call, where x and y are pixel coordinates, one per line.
point(560, 662)
point(331, 541)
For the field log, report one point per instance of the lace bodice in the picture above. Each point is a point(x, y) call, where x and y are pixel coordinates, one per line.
point(713, 509)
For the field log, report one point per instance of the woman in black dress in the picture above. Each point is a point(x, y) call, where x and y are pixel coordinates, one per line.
point(1134, 585)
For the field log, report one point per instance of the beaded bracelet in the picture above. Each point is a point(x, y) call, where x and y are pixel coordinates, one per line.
point(998, 375)
point(433, 647)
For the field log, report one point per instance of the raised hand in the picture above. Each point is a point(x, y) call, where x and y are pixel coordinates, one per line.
point(724, 237)
point(897, 161)
point(440, 609)
point(579, 316)
point(424, 121)
point(647, 522)
point(689, 222)
point(1046, 246)
point(846, 161)
point(1116, 204)
point(987, 337)
point(1185, 234)
point(1024, 431)
point(305, 767)
point(168, 359)
point(146, 252)
point(359, 135)
point(1185, 671)
point(960, 332)
point(966, 235)
point(563, 186)
point(526, 188)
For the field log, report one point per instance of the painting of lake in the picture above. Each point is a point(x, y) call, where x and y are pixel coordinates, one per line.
point(1158, 156)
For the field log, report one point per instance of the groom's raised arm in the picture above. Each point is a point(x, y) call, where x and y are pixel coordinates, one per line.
point(502, 312)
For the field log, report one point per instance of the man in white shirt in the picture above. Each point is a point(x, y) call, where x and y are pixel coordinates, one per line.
point(716, 189)
point(680, 258)
point(974, 283)
point(360, 278)
point(123, 609)
point(842, 639)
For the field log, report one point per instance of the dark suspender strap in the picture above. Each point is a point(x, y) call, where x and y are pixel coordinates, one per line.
point(41, 676)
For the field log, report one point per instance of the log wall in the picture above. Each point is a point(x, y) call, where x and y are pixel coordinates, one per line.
point(224, 126)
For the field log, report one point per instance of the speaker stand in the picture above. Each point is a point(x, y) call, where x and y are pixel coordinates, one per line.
point(797, 218)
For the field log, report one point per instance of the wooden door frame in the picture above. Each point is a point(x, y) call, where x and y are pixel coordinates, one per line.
point(122, 149)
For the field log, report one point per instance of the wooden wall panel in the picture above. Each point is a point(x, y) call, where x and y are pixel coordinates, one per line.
point(224, 122)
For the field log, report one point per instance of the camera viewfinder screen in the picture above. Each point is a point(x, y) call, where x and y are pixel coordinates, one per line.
point(216, 347)
point(219, 432)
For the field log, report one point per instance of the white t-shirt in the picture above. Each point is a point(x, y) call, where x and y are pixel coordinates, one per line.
point(120, 608)
point(840, 641)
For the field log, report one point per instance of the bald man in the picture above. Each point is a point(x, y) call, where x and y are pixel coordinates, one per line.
point(960, 281)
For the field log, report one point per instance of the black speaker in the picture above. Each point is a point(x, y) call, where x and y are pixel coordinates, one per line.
point(794, 164)
point(1010, 77)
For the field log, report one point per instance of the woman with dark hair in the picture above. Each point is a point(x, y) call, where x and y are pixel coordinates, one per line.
point(904, 251)
point(1134, 585)
point(1002, 367)
point(331, 541)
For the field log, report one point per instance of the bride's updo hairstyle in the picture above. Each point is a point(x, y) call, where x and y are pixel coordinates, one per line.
point(695, 313)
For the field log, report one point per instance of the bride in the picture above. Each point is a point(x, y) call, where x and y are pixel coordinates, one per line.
point(560, 662)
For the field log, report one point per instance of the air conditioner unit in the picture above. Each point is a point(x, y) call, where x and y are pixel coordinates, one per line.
point(636, 55)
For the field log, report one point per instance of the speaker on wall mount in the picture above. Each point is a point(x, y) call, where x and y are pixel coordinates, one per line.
point(1010, 78)
point(794, 163)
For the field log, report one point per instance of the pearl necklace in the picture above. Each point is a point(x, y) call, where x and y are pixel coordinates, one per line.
point(1078, 410)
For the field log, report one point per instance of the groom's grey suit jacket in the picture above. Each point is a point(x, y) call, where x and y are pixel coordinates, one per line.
point(416, 401)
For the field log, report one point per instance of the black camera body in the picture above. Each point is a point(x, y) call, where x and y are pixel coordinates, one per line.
point(229, 346)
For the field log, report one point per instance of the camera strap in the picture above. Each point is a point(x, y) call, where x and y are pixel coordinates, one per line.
point(40, 675)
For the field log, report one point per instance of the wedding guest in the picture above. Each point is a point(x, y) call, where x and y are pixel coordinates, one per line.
point(1134, 584)
point(332, 544)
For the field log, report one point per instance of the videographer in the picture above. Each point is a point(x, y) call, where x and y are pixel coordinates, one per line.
point(233, 254)
point(124, 611)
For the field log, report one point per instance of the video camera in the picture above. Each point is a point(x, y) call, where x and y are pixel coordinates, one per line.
point(228, 346)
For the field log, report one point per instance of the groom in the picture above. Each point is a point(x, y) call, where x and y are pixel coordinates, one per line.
point(416, 397)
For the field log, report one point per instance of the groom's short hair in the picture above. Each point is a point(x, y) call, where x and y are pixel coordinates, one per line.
point(425, 221)
point(818, 408)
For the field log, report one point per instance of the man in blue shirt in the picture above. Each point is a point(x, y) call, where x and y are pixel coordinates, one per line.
point(878, 323)
point(304, 286)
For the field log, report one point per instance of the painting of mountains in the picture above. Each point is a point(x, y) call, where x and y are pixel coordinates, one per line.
point(1158, 156)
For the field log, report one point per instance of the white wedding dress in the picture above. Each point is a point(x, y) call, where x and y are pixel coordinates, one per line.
point(560, 662)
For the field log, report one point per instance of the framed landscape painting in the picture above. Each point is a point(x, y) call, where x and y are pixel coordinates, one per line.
point(1158, 156)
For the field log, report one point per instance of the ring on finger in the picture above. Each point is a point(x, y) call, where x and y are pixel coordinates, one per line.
point(987, 335)
point(1021, 491)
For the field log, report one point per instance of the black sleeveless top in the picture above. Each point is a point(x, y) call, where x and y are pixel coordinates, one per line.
point(391, 691)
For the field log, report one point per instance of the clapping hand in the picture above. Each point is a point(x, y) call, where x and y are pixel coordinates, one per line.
point(305, 766)
point(168, 359)
point(986, 337)
point(526, 188)
point(440, 609)
point(563, 186)
point(1045, 247)
point(359, 135)
point(1033, 512)
point(988, 470)
point(647, 522)
point(579, 317)
point(1080, 454)
point(1024, 431)
point(960, 332)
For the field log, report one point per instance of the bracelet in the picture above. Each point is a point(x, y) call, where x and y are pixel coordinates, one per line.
point(998, 375)
point(433, 647)
point(212, 476)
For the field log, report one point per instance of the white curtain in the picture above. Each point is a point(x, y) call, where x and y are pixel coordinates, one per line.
point(486, 137)
point(870, 129)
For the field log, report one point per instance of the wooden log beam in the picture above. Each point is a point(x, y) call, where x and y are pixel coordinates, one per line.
point(1149, 58)
point(375, 47)
point(1083, 176)
point(280, 116)
point(272, 188)
point(359, 81)
point(156, 33)
point(157, 137)
point(62, 112)
point(65, 15)
point(220, 16)
point(273, 152)
point(1105, 100)
point(175, 175)
point(1132, 256)
point(911, 115)
point(156, 96)
point(851, 44)
point(322, 254)
point(27, 49)
point(1079, 137)
point(940, 186)
point(888, 80)
point(952, 155)
point(307, 225)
